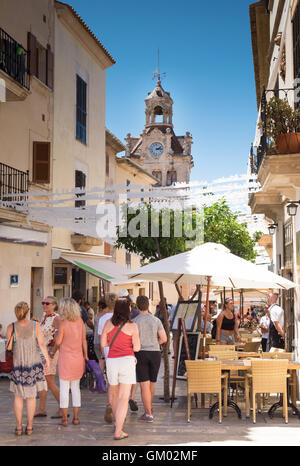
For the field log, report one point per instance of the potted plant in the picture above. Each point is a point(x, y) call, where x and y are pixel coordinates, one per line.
point(282, 125)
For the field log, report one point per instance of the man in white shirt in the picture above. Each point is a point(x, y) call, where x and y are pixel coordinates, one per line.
point(276, 336)
point(265, 326)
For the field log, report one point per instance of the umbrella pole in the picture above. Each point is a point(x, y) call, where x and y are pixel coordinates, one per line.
point(176, 355)
point(205, 317)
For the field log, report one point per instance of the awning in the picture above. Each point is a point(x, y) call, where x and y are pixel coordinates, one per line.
point(100, 268)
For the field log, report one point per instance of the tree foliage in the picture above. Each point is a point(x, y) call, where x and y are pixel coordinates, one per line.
point(220, 225)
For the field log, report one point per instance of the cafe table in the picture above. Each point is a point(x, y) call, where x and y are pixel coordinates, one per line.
point(245, 365)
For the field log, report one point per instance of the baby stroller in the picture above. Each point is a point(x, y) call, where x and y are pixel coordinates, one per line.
point(93, 378)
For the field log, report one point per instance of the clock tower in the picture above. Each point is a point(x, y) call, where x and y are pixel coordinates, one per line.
point(158, 150)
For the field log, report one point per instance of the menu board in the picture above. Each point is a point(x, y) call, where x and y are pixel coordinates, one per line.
point(189, 311)
point(194, 343)
point(60, 275)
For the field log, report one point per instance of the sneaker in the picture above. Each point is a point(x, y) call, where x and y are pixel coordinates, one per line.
point(146, 418)
point(108, 416)
point(133, 405)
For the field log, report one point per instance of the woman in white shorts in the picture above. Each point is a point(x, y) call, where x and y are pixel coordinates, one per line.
point(122, 337)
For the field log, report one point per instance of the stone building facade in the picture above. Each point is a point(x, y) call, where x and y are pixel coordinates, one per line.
point(158, 150)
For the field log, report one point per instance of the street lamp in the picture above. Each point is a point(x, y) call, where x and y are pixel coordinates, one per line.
point(272, 228)
point(292, 208)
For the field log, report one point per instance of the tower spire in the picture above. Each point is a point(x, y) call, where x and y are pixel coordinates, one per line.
point(156, 73)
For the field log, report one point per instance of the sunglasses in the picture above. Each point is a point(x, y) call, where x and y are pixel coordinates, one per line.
point(46, 303)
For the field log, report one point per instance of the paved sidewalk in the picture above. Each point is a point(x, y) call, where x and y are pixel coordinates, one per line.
point(170, 426)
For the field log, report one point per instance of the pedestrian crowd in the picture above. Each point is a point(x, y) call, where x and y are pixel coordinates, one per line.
point(224, 325)
point(124, 339)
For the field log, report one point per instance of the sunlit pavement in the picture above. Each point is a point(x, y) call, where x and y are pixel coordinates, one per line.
point(170, 425)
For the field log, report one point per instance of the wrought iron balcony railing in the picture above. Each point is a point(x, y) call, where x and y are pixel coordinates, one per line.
point(13, 182)
point(264, 147)
point(14, 59)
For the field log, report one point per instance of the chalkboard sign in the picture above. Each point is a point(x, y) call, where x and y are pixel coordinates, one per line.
point(193, 342)
point(60, 275)
point(188, 311)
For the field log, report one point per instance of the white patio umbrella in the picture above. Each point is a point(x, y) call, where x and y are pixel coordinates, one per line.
point(213, 265)
point(215, 261)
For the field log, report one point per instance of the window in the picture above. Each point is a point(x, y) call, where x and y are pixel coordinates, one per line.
point(296, 44)
point(107, 249)
point(158, 175)
point(288, 244)
point(41, 162)
point(171, 177)
point(41, 69)
point(41, 61)
point(128, 260)
point(158, 115)
point(81, 109)
point(80, 182)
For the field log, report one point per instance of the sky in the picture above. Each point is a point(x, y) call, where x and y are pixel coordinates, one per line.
point(206, 53)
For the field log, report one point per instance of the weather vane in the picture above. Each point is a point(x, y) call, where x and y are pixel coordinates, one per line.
point(156, 73)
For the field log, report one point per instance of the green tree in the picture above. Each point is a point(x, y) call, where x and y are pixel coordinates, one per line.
point(221, 226)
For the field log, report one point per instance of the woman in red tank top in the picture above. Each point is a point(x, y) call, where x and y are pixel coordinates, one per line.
point(122, 337)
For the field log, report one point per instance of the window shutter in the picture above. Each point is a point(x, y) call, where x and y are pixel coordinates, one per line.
point(107, 249)
point(41, 162)
point(50, 68)
point(32, 48)
point(107, 164)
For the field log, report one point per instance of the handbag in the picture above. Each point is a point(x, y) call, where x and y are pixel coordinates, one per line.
point(7, 366)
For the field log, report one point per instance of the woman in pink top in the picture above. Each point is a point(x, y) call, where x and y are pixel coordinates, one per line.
point(122, 337)
point(71, 341)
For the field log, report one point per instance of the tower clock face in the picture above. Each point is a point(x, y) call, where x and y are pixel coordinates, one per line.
point(156, 149)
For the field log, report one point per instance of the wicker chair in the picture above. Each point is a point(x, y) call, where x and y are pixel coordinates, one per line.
point(251, 346)
point(221, 348)
point(223, 355)
point(292, 381)
point(268, 376)
point(206, 377)
point(288, 356)
point(235, 378)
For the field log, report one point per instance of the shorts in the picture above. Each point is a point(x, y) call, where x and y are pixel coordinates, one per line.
point(147, 367)
point(121, 370)
point(227, 338)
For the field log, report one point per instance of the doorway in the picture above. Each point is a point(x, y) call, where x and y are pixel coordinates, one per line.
point(36, 293)
point(79, 281)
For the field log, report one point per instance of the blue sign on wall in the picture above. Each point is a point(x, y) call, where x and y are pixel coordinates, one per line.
point(14, 280)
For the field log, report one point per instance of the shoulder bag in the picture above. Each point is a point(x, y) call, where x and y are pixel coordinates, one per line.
point(116, 334)
point(7, 366)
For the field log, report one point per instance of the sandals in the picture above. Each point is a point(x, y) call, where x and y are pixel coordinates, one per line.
point(18, 432)
point(122, 436)
point(63, 422)
point(76, 422)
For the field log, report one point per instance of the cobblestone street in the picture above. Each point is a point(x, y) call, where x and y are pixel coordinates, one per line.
point(170, 426)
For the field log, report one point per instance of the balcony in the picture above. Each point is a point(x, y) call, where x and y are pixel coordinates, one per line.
point(84, 243)
point(14, 74)
point(13, 183)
